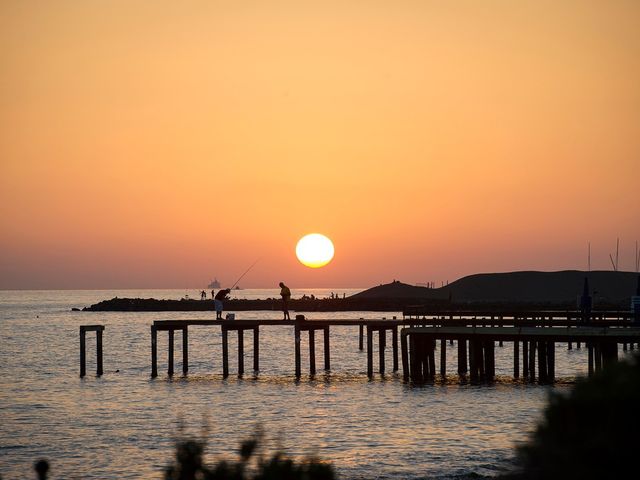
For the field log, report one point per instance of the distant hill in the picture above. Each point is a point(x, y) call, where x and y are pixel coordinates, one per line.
point(516, 287)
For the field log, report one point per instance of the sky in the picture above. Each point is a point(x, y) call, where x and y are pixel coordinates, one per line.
point(160, 144)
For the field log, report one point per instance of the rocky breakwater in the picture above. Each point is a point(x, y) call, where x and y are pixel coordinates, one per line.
point(298, 305)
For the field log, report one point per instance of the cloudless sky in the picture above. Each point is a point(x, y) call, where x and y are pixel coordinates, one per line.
point(161, 143)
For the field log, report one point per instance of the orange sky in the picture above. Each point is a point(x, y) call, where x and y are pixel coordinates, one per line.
point(161, 143)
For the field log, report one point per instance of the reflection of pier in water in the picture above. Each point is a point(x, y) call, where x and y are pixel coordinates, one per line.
point(476, 334)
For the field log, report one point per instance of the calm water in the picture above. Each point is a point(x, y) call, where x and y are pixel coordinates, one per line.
point(123, 425)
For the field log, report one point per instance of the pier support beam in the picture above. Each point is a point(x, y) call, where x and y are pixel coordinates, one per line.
point(415, 368)
point(405, 356)
point(240, 352)
point(609, 351)
point(462, 356)
point(490, 360)
point(516, 359)
point(382, 344)
point(532, 360)
point(542, 362)
point(256, 349)
point(154, 351)
point(551, 361)
point(83, 348)
point(369, 352)
point(170, 354)
point(225, 352)
point(312, 352)
point(185, 350)
point(394, 340)
point(327, 350)
point(297, 350)
point(443, 358)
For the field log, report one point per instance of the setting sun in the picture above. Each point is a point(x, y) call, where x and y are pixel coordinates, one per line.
point(314, 250)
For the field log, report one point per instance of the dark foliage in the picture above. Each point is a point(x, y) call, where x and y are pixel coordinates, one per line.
point(590, 433)
point(251, 464)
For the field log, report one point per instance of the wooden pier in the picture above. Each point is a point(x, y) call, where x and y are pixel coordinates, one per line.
point(418, 349)
point(476, 334)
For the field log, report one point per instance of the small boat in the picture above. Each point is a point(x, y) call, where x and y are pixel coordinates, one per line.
point(214, 284)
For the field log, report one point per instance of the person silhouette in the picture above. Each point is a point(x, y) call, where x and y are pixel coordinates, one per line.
point(219, 298)
point(285, 293)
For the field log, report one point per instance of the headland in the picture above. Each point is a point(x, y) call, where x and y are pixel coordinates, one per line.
point(512, 290)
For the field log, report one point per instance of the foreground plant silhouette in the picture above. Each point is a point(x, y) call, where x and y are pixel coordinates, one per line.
point(251, 464)
point(590, 433)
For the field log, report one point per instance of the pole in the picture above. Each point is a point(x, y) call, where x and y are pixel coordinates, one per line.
point(247, 271)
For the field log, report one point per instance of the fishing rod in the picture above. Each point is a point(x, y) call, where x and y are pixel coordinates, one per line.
point(247, 271)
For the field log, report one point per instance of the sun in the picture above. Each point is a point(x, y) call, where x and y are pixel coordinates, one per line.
point(314, 250)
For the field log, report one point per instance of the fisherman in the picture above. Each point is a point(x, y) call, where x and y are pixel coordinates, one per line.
point(285, 293)
point(218, 299)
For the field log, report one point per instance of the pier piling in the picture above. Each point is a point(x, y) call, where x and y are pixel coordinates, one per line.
point(170, 354)
point(369, 352)
point(327, 349)
point(83, 348)
point(382, 343)
point(394, 340)
point(462, 356)
point(185, 350)
point(256, 349)
point(312, 352)
point(405, 356)
point(240, 352)
point(297, 350)
point(154, 351)
point(225, 352)
point(443, 358)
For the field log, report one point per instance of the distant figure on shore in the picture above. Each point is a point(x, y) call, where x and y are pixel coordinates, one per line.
point(285, 293)
point(41, 467)
point(203, 295)
point(212, 294)
point(220, 297)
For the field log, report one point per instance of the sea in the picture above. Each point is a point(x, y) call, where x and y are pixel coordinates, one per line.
point(125, 424)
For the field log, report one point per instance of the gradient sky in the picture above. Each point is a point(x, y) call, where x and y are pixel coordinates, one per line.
point(162, 143)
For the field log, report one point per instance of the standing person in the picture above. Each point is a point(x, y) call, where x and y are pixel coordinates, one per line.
point(285, 293)
point(218, 299)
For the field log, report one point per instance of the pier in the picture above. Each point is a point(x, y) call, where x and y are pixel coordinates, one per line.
point(476, 334)
point(418, 349)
